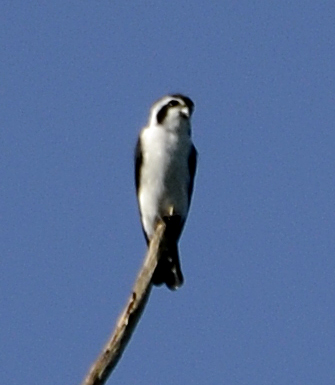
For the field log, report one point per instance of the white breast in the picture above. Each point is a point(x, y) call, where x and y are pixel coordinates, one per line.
point(164, 175)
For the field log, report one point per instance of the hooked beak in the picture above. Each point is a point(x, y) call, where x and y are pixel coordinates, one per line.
point(185, 112)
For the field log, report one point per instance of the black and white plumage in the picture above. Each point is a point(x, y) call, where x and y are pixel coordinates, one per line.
point(165, 165)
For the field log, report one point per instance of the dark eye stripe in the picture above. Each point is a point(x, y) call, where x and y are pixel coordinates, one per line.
point(173, 103)
point(186, 100)
point(161, 115)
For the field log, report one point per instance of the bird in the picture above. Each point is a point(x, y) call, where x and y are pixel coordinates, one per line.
point(165, 168)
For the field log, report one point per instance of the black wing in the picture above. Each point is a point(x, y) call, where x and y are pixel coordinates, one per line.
point(192, 166)
point(138, 163)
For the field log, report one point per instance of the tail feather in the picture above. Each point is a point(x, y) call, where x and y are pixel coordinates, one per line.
point(168, 270)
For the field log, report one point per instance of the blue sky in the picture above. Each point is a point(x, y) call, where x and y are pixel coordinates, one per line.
point(258, 250)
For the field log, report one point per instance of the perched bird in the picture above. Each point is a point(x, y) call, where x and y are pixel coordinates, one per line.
point(165, 165)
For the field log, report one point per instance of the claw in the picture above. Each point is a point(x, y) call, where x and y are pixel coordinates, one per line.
point(171, 211)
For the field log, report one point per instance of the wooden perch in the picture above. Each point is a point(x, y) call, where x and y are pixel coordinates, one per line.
point(125, 326)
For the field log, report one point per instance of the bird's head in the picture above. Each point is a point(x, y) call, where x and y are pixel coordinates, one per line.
point(173, 112)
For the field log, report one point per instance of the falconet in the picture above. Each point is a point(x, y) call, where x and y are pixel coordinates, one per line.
point(165, 165)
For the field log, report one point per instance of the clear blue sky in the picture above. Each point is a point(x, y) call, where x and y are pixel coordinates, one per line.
point(258, 251)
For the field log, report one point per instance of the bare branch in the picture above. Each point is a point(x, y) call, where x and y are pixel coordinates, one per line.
point(125, 326)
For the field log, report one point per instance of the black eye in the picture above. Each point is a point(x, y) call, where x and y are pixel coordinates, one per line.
point(173, 103)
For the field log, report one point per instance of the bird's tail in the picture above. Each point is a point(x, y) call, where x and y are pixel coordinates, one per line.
point(168, 270)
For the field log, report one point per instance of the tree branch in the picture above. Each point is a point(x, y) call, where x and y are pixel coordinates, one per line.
point(125, 326)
